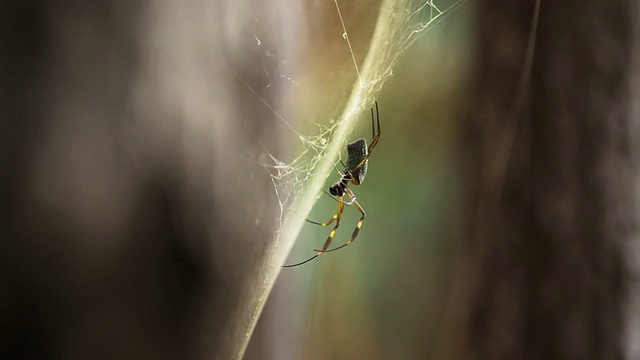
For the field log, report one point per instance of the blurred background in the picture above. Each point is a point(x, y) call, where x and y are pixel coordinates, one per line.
point(142, 198)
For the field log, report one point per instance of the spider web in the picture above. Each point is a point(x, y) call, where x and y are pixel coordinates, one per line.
point(298, 183)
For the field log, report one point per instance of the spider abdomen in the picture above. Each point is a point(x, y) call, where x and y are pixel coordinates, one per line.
point(356, 154)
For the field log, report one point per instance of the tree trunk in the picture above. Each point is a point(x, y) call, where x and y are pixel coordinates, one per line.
point(552, 178)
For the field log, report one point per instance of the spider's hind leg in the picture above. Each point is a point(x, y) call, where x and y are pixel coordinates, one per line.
point(356, 231)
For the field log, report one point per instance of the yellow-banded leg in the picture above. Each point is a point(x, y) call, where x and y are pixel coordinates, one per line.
point(356, 231)
point(335, 218)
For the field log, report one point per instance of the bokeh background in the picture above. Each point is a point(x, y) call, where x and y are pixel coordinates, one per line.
point(140, 216)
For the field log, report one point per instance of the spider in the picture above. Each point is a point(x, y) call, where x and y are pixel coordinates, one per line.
point(354, 172)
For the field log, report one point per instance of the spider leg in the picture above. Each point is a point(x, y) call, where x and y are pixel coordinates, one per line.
point(300, 263)
point(335, 218)
point(350, 202)
point(356, 231)
point(335, 227)
point(336, 169)
point(328, 222)
point(376, 135)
